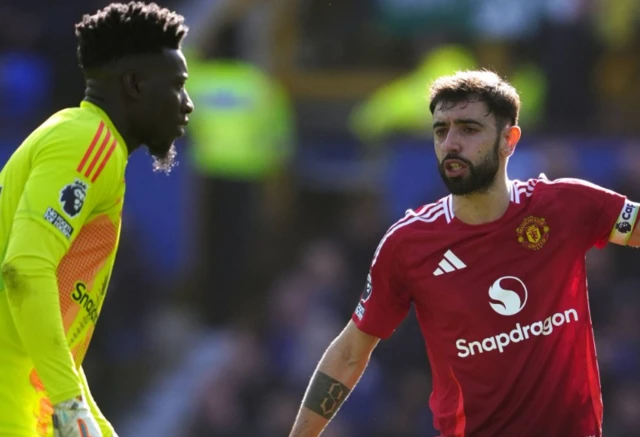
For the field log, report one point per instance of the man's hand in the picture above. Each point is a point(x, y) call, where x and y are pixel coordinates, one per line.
point(73, 418)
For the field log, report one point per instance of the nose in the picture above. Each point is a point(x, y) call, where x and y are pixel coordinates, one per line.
point(187, 103)
point(450, 144)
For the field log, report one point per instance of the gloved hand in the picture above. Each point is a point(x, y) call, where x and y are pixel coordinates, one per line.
point(73, 418)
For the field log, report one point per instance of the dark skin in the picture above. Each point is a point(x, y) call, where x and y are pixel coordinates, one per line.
point(145, 98)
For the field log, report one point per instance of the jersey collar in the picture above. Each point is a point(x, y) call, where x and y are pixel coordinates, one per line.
point(448, 201)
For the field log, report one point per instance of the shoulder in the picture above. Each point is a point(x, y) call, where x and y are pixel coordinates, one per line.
point(432, 215)
point(70, 123)
point(555, 187)
point(558, 187)
point(78, 139)
point(569, 198)
point(428, 217)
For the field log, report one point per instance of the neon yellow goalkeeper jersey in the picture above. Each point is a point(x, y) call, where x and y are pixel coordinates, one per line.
point(61, 197)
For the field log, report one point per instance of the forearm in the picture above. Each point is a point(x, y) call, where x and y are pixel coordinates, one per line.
point(32, 292)
point(330, 385)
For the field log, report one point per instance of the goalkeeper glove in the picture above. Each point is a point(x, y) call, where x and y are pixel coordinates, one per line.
point(73, 418)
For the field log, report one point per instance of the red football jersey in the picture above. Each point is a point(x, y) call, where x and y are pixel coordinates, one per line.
point(503, 307)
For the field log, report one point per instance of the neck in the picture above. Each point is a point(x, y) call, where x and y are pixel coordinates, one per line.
point(485, 207)
point(97, 93)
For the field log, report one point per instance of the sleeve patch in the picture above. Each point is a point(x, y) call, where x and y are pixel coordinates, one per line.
point(72, 197)
point(625, 224)
point(59, 222)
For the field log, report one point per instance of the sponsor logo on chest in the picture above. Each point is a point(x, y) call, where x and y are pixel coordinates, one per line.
point(508, 296)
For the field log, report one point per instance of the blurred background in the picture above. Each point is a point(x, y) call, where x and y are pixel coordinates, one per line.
point(310, 137)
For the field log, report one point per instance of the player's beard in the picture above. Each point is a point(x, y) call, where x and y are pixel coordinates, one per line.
point(165, 160)
point(479, 178)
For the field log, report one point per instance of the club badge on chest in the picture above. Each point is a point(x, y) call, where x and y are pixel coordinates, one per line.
point(533, 233)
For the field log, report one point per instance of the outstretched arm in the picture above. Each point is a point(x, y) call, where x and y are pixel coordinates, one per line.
point(337, 374)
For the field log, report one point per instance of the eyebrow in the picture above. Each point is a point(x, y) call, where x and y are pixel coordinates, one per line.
point(438, 124)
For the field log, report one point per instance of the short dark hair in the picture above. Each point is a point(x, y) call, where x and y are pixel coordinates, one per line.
point(120, 30)
point(500, 96)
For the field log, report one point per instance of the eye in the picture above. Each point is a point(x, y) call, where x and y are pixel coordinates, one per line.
point(439, 133)
point(469, 130)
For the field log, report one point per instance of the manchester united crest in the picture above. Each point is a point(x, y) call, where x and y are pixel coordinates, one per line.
point(533, 233)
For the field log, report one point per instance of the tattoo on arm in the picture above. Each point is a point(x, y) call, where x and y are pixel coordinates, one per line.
point(325, 395)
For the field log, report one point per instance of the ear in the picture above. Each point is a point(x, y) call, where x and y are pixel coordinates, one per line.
point(512, 135)
point(131, 85)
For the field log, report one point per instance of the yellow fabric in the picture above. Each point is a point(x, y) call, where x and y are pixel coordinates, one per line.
point(60, 209)
point(243, 126)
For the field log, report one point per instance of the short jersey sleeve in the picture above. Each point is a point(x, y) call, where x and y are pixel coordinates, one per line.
point(385, 301)
point(601, 212)
point(72, 175)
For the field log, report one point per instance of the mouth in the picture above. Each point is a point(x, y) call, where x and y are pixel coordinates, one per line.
point(454, 167)
point(182, 125)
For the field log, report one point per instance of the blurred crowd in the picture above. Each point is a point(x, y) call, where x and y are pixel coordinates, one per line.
point(250, 259)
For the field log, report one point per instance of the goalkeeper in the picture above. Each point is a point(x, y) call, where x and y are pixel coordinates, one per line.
point(61, 197)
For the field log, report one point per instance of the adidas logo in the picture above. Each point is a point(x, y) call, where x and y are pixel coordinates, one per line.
point(449, 263)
